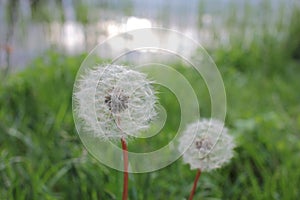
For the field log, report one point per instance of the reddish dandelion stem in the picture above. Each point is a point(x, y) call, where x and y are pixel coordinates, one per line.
point(125, 158)
point(195, 184)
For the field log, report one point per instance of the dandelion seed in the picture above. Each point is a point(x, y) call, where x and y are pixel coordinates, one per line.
point(114, 102)
point(211, 148)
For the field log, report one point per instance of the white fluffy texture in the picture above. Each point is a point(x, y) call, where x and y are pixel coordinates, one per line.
point(114, 102)
point(212, 146)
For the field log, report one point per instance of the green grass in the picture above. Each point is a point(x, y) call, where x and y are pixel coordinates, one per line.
point(42, 157)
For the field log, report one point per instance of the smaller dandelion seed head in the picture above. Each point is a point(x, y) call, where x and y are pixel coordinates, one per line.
point(211, 146)
point(114, 102)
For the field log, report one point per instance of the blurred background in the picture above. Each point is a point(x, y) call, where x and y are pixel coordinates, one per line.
point(255, 44)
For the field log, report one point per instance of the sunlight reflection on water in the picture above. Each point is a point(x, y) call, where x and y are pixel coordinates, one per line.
point(73, 39)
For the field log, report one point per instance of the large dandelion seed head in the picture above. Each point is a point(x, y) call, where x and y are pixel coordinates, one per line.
point(212, 146)
point(114, 102)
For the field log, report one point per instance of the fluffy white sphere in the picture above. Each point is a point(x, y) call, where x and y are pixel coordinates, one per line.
point(113, 102)
point(212, 146)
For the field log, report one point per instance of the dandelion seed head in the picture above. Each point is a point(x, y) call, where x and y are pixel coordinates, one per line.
point(114, 102)
point(212, 146)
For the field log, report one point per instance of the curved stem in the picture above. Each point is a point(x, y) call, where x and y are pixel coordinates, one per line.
point(195, 184)
point(125, 157)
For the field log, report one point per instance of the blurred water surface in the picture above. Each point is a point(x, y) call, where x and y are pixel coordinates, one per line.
point(30, 27)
